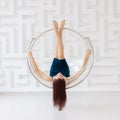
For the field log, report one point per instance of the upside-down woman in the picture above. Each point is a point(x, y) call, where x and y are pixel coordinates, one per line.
point(59, 71)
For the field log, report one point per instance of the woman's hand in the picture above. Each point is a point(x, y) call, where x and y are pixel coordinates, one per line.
point(30, 54)
point(88, 52)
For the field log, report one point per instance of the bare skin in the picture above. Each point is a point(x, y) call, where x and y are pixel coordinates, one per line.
point(59, 53)
point(59, 45)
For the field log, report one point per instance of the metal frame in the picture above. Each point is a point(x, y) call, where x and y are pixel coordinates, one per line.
point(87, 41)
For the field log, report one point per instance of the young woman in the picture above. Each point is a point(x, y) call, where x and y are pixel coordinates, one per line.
point(59, 71)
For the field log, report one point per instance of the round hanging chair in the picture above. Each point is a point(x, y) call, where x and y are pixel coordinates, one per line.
point(75, 46)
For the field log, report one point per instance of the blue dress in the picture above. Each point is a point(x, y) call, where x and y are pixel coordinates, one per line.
point(59, 65)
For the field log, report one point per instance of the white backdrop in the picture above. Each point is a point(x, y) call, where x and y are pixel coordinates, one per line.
point(21, 19)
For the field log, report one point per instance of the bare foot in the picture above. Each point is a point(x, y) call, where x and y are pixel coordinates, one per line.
point(62, 24)
point(55, 26)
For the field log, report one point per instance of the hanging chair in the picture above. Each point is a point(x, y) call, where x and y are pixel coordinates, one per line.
point(75, 46)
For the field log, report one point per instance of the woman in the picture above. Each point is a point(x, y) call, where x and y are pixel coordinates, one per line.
point(59, 71)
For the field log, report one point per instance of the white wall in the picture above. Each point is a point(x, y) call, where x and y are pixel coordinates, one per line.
point(21, 19)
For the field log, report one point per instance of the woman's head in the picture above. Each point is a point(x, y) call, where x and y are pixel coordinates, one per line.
point(59, 93)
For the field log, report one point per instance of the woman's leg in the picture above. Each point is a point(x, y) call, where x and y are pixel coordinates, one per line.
point(57, 36)
point(59, 45)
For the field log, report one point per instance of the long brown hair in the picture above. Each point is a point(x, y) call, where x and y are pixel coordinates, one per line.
point(59, 93)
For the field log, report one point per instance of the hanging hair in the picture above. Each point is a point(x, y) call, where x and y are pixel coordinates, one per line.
point(59, 93)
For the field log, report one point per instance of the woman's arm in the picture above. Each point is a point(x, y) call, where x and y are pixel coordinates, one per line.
point(36, 69)
point(74, 77)
point(88, 52)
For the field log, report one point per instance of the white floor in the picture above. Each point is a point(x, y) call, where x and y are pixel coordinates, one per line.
point(80, 106)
